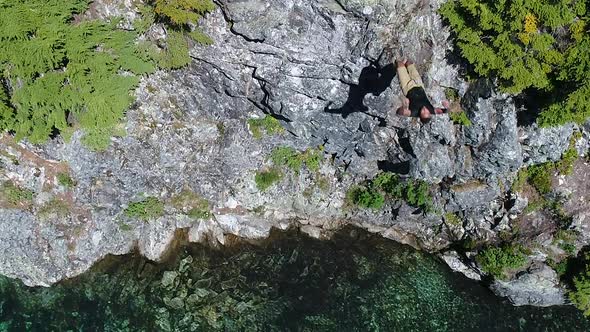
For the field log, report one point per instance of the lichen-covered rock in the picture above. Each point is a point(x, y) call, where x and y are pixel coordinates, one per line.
point(456, 264)
point(545, 144)
point(539, 286)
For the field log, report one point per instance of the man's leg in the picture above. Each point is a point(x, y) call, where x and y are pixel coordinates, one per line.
point(414, 75)
point(405, 81)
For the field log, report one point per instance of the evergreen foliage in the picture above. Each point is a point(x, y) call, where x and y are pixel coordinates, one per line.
point(365, 197)
point(497, 260)
point(182, 12)
point(176, 53)
point(539, 176)
point(580, 295)
point(54, 70)
point(535, 44)
point(180, 18)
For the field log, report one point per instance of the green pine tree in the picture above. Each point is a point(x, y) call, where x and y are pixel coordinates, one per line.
point(56, 70)
point(523, 45)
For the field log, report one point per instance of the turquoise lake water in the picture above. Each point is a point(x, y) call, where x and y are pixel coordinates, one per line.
point(355, 282)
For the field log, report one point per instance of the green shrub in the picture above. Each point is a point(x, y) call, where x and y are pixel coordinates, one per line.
point(15, 196)
point(460, 118)
point(560, 268)
point(64, 179)
point(287, 156)
point(54, 68)
point(540, 177)
point(294, 160)
point(417, 194)
point(313, 158)
point(268, 125)
point(497, 260)
point(566, 165)
point(451, 94)
point(388, 185)
point(515, 41)
point(365, 197)
point(147, 209)
point(265, 179)
point(146, 20)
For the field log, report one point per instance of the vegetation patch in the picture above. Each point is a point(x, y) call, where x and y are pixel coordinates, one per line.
point(540, 46)
point(14, 196)
point(294, 160)
point(496, 261)
point(460, 118)
point(564, 239)
point(267, 125)
point(535, 205)
point(539, 176)
point(64, 179)
point(566, 165)
point(56, 206)
point(389, 186)
point(451, 94)
point(266, 179)
point(192, 205)
point(452, 219)
point(148, 209)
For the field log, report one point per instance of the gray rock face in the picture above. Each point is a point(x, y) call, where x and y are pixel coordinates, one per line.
point(324, 69)
point(501, 154)
point(540, 287)
point(470, 195)
point(456, 264)
point(545, 144)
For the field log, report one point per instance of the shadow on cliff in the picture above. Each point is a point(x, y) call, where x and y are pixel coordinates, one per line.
point(372, 80)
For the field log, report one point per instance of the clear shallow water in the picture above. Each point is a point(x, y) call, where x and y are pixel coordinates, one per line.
point(356, 282)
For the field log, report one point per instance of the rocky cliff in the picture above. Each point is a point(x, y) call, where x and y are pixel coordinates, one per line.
point(324, 69)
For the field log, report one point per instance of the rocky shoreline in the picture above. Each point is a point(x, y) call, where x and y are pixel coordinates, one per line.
point(313, 66)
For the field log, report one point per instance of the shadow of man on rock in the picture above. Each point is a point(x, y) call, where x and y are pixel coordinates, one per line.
point(372, 80)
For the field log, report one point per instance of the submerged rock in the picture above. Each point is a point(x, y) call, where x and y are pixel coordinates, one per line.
point(325, 70)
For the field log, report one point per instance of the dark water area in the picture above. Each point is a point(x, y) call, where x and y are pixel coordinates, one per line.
point(355, 282)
